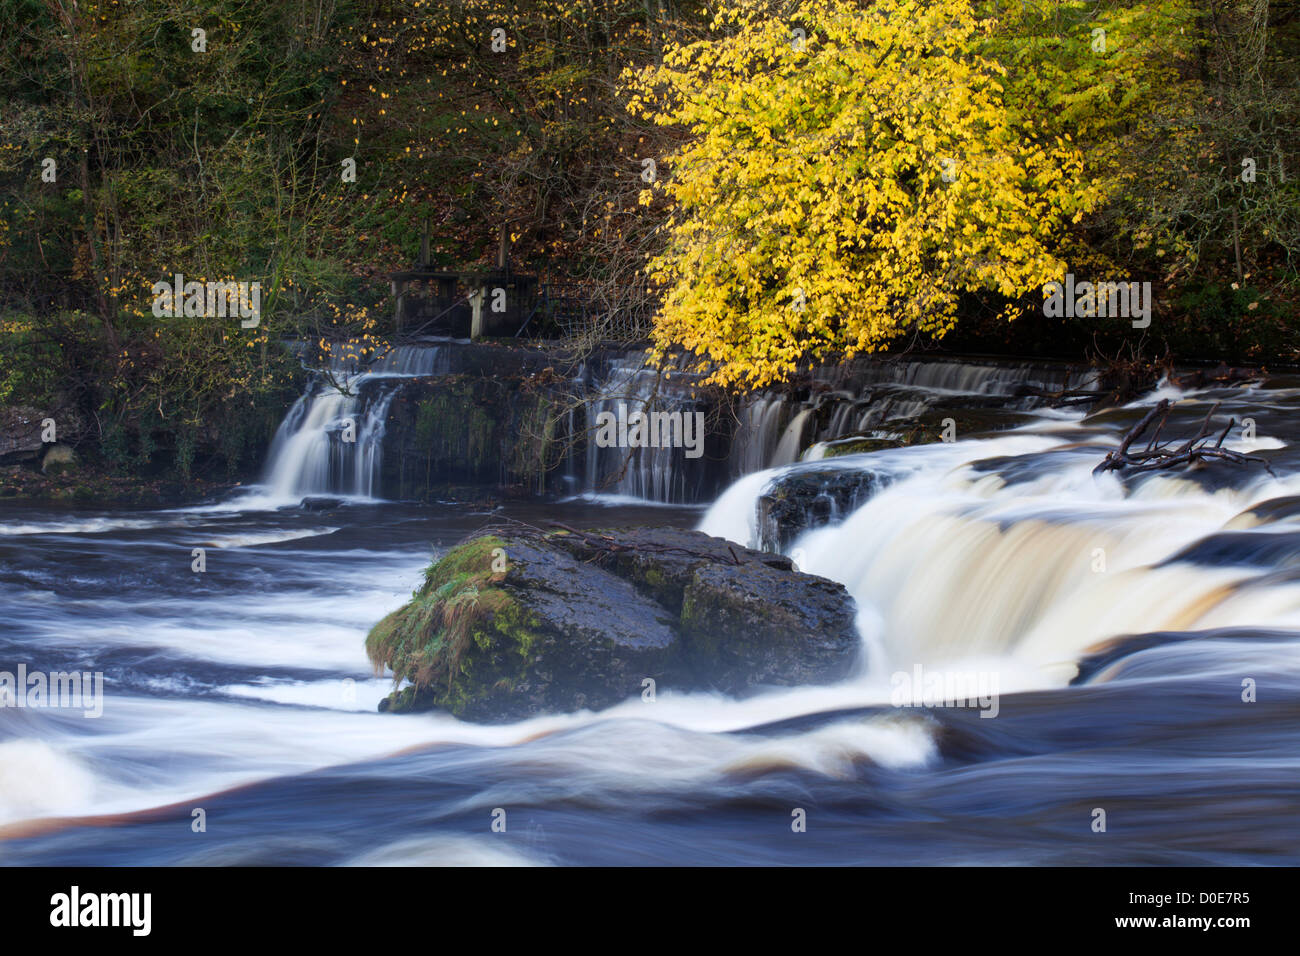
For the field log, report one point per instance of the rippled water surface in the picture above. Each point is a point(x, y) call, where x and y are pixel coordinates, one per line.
point(1123, 626)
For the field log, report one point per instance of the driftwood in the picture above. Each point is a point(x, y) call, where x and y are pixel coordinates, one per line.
point(1223, 375)
point(1158, 455)
point(1057, 398)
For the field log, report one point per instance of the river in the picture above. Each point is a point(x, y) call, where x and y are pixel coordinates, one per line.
point(1144, 640)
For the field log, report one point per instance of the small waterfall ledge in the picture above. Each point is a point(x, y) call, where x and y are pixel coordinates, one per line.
point(447, 418)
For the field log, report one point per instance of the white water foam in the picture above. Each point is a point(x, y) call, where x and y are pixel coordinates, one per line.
point(954, 567)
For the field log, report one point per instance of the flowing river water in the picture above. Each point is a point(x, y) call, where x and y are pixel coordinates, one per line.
point(1143, 639)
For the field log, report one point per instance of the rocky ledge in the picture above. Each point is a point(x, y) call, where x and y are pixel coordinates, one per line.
point(523, 622)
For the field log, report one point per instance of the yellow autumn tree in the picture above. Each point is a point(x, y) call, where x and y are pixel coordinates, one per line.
point(851, 170)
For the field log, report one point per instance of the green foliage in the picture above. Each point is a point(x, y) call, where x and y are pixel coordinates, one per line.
point(781, 171)
point(29, 363)
point(1236, 323)
point(226, 164)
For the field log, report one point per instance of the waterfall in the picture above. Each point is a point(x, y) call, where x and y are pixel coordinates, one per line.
point(877, 399)
point(791, 443)
point(331, 441)
point(664, 474)
point(756, 437)
point(1009, 553)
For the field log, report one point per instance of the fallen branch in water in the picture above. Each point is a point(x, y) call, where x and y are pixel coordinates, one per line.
point(1057, 398)
point(1159, 455)
point(1223, 375)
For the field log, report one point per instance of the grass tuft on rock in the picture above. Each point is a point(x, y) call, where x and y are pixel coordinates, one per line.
point(460, 637)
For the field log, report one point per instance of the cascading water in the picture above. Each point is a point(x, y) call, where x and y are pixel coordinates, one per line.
point(247, 690)
point(331, 441)
point(758, 433)
point(664, 474)
point(777, 429)
point(1009, 553)
point(773, 429)
point(791, 444)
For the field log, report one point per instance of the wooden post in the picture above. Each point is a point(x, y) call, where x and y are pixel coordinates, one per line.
point(476, 311)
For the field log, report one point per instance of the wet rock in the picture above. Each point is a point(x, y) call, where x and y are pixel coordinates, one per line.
point(475, 430)
point(1286, 508)
point(662, 561)
point(1241, 549)
point(800, 500)
point(755, 624)
point(861, 444)
point(320, 503)
point(508, 626)
point(20, 435)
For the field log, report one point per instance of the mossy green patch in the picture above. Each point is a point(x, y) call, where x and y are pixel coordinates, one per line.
point(480, 430)
point(454, 424)
point(857, 446)
point(462, 636)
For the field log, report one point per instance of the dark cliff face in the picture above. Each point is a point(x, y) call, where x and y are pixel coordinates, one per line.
point(503, 432)
point(487, 421)
point(524, 420)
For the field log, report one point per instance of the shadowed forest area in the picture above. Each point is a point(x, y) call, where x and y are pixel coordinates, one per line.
point(774, 184)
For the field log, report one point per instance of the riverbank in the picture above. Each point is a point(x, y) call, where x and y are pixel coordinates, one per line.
point(92, 484)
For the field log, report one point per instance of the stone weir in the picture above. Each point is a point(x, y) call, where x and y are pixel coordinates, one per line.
point(530, 421)
point(451, 418)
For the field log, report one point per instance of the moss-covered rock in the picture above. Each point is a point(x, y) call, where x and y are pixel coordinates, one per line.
point(506, 626)
point(861, 445)
point(503, 628)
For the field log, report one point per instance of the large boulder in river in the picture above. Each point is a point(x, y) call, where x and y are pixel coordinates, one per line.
point(520, 623)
